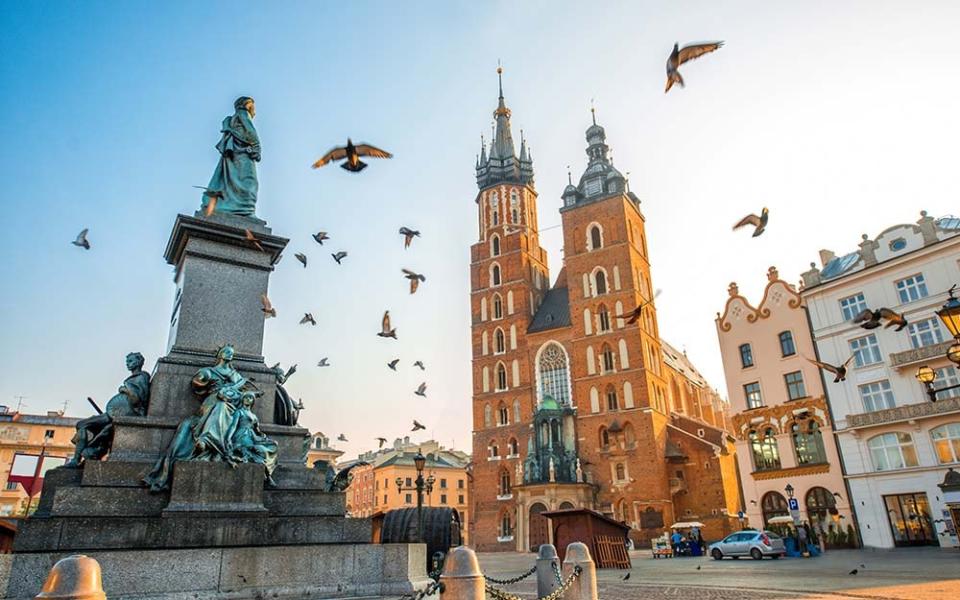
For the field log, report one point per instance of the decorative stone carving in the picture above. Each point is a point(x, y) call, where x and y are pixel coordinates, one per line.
point(905, 413)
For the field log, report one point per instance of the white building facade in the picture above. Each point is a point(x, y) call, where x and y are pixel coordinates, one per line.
point(896, 445)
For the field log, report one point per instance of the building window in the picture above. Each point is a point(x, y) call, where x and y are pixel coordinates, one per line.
point(514, 207)
point(925, 333)
point(607, 359)
point(443, 498)
point(621, 472)
point(746, 355)
point(492, 452)
point(506, 530)
point(601, 278)
point(876, 395)
point(497, 306)
point(773, 504)
point(408, 482)
point(460, 499)
point(866, 350)
point(501, 377)
point(603, 319)
point(504, 482)
point(503, 415)
point(384, 498)
point(499, 342)
point(604, 438)
point(513, 447)
point(808, 443)
point(787, 347)
point(495, 275)
point(495, 245)
point(12, 486)
point(752, 393)
point(946, 377)
point(912, 288)
point(612, 403)
point(443, 484)
point(946, 442)
point(596, 237)
point(459, 484)
point(852, 306)
point(766, 456)
point(892, 451)
point(494, 209)
point(795, 387)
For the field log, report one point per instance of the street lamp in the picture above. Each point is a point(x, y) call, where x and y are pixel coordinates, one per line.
point(789, 490)
point(419, 462)
point(949, 313)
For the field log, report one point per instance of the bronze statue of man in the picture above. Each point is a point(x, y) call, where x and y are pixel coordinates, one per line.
point(233, 187)
point(94, 435)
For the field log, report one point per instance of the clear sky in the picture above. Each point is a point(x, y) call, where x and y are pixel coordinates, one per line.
point(839, 116)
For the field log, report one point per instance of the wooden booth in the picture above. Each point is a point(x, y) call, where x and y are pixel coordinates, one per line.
point(606, 538)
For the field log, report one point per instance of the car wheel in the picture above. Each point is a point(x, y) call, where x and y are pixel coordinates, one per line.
point(716, 554)
point(755, 554)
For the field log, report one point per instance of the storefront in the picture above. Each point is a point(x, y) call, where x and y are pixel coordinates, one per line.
point(951, 499)
point(910, 519)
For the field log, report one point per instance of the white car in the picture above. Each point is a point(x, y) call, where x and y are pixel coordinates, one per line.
point(755, 544)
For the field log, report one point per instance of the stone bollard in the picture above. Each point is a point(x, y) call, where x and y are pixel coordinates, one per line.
point(75, 577)
point(546, 579)
point(585, 586)
point(461, 577)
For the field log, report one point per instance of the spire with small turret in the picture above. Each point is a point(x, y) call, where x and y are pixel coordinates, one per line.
point(503, 165)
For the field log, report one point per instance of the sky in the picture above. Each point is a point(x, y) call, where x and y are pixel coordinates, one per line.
point(838, 116)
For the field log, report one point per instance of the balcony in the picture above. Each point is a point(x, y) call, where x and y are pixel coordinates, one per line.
point(906, 358)
point(908, 412)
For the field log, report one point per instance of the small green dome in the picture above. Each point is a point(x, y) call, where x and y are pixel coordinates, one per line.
point(549, 403)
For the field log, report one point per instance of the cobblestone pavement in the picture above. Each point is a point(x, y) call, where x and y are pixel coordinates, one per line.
point(903, 574)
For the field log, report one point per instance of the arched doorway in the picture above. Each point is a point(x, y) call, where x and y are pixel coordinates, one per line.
point(538, 527)
point(773, 505)
point(820, 508)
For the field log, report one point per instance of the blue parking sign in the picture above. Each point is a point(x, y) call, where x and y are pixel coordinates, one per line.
point(794, 504)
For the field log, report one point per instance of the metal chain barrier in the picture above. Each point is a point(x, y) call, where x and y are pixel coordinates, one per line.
point(517, 579)
point(556, 572)
point(427, 591)
point(555, 595)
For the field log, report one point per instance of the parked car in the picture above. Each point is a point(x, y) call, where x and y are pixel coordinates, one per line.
point(755, 544)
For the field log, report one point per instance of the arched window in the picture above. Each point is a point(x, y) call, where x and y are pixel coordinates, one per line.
point(604, 438)
point(773, 505)
point(516, 410)
point(503, 415)
point(612, 401)
point(495, 245)
point(504, 482)
point(499, 341)
point(946, 442)
point(497, 307)
point(494, 274)
point(820, 504)
point(501, 377)
point(492, 450)
point(766, 456)
point(606, 354)
point(892, 451)
point(553, 373)
point(494, 209)
point(808, 443)
point(488, 416)
point(506, 527)
point(513, 447)
point(596, 237)
point(603, 319)
point(514, 206)
point(621, 472)
point(629, 436)
point(600, 282)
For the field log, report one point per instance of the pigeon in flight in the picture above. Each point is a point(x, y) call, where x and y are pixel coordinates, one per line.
point(323, 362)
point(415, 279)
point(422, 390)
point(320, 236)
point(302, 258)
point(339, 256)
point(381, 441)
point(352, 154)
point(308, 318)
point(871, 319)
point(81, 240)
point(268, 309)
point(634, 314)
point(419, 363)
point(253, 240)
point(393, 364)
point(385, 330)
point(408, 235)
point(417, 426)
point(342, 438)
point(840, 372)
point(759, 223)
point(685, 54)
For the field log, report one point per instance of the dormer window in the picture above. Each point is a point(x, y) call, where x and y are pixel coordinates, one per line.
point(593, 187)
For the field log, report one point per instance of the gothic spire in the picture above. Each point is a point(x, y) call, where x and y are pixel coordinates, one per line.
point(503, 164)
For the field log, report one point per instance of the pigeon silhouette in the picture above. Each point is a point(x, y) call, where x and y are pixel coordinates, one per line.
point(324, 362)
point(393, 364)
point(871, 319)
point(419, 363)
point(422, 390)
point(381, 441)
point(302, 258)
point(417, 426)
point(339, 256)
point(626, 577)
point(385, 330)
point(308, 318)
point(634, 314)
point(81, 240)
point(268, 309)
point(415, 279)
point(248, 235)
point(342, 438)
point(840, 371)
point(352, 154)
point(320, 236)
point(408, 235)
point(759, 223)
point(685, 54)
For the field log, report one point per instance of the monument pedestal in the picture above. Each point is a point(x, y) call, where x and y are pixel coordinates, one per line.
point(217, 533)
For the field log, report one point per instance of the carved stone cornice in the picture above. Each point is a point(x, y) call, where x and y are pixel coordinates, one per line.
point(926, 353)
point(907, 412)
point(792, 472)
point(780, 415)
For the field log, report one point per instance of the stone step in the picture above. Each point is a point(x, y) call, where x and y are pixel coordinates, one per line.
point(106, 502)
point(305, 503)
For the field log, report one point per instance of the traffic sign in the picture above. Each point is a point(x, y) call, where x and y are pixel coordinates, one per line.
point(794, 504)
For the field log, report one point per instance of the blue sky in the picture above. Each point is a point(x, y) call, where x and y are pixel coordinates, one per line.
point(839, 117)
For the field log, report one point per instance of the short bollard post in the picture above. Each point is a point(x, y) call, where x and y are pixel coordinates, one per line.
point(546, 577)
point(585, 586)
point(461, 577)
point(75, 577)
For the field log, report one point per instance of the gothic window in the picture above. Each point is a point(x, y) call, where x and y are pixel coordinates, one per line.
point(494, 209)
point(612, 401)
point(596, 237)
point(497, 307)
point(513, 447)
point(554, 373)
point(501, 377)
point(492, 450)
point(516, 410)
point(499, 341)
point(607, 358)
point(495, 245)
point(494, 274)
point(506, 528)
point(503, 415)
point(603, 319)
point(600, 282)
point(504, 482)
point(808, 443)
point(629, 435)
point(766, 456)
point(621, 472)
point(514, 207)
point(604, 438)
point(487, 416)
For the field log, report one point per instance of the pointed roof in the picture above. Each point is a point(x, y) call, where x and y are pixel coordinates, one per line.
point(600, 179)
point(503, 165)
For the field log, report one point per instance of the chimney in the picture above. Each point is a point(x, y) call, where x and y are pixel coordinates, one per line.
point(868, 251)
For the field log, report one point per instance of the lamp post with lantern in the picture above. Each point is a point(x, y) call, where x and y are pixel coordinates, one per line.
point(949, 314)
point(421, 484)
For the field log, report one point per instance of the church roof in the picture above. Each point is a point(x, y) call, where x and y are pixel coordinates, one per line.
point(600, 179)
point(502, 164)
point(679, 362)
point(553, 313)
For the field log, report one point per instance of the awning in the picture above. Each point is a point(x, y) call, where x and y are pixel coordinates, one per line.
point(687, 525)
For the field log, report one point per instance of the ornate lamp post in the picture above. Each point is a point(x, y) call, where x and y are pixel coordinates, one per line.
point(789, 490)
point(949, 313)
point(421, 484)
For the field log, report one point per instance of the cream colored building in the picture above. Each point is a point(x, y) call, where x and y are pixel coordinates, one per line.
point(896, 445)
point(780, 419)
point(320, 449)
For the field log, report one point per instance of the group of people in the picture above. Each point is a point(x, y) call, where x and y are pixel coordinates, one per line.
point(691, 544)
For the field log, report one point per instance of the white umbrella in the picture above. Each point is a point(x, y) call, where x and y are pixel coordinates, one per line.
point(779, 520)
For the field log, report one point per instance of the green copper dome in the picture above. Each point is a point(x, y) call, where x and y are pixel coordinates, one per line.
point(549, 403)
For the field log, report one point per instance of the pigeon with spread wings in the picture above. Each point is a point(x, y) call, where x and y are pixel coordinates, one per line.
point(393, 364)
point(82, 240)
point(417, 426)
point(320, 236)
point(268, 309)
point(385, 330)
point(840, 372)
point(381, 441)
point(415, 279)
point(248, 235)
point(408, 235)
point(308, 318)
point(422, 390)
point(302, 258)
point(759, 223)
point(339, 256)
point(352, 154)
point(685, 54)
point(871, 319)
point(634, 314)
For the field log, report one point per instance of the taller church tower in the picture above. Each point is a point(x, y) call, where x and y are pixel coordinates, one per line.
point(508, 279)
